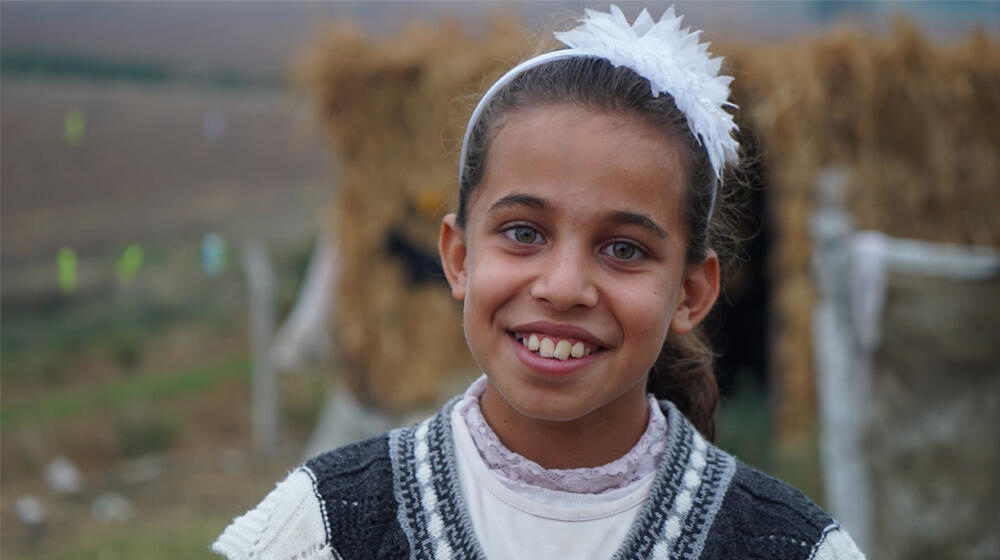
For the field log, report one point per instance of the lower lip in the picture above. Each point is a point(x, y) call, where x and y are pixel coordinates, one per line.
point(551, 366)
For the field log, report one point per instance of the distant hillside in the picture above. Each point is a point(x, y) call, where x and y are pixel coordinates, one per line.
point(81, 65)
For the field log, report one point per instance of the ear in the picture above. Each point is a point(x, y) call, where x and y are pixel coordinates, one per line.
point(452, 249)
point(698, 294)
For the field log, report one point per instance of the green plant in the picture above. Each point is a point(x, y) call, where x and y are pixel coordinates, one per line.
point(143, 431)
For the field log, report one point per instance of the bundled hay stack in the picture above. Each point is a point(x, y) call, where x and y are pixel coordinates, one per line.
point(396, 111)
point(916, 125)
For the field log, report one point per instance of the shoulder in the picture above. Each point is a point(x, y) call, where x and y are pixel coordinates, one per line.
point(352, 464)
point(753, 493)
point(287, 523)
point(336, 503)
point(762, 514)
point(355, 487)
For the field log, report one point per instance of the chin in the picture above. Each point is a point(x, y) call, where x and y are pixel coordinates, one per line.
point(549, 411)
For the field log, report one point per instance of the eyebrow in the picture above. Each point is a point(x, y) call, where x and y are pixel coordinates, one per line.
point(639, 220)
point(520, 200)
point(620, 216)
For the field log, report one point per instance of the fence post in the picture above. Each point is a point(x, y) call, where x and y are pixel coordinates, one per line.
point(842, 382)
point(264, 385)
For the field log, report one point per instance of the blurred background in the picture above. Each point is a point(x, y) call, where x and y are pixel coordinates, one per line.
point(217, 245)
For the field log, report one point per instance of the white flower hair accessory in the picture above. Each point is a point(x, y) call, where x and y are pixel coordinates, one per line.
point(671, 58)
point(674, 62)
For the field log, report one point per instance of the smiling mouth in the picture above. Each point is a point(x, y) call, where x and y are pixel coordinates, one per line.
point(555, 348)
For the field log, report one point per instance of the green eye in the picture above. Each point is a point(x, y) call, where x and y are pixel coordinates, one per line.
point(525, 234)
point(623, 251)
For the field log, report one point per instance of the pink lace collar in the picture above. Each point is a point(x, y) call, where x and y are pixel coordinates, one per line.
point(640, 461)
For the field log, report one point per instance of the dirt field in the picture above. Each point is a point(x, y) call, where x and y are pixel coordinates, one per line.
point(144, 170)
point(145, 387)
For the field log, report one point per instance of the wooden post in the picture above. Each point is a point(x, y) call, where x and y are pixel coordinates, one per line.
point(842, 378)
point(260, 282)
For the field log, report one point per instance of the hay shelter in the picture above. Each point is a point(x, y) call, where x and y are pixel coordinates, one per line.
point(915, 125)
point(395, 111)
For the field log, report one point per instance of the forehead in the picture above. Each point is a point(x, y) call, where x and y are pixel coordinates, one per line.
point(572, 153)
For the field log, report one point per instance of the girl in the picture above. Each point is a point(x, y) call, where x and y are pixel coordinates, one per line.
point(581, 250)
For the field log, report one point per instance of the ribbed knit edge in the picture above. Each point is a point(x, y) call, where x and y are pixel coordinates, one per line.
point(835, 544)
point(646, 529)
point(822, 539)
point(320, 552)
point(282, 517)
point(725, 467)
point(460, 532)
point(431, 512)
point(322, 502)
point(400, 455)
point(668, 526)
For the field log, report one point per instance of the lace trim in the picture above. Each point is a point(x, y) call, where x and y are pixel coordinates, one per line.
point(640, 461)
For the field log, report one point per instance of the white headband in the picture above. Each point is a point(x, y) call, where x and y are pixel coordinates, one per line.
point(669, 57)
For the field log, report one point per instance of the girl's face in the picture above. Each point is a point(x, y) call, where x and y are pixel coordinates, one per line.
point(574, 239)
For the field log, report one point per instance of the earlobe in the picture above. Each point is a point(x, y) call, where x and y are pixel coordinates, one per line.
point(452, 248)
point(698, 295)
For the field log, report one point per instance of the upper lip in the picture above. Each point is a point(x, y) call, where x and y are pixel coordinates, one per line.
point(558, 330)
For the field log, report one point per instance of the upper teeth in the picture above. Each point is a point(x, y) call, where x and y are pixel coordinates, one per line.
point(554, 348)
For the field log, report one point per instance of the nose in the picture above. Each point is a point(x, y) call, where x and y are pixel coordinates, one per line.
point(566, 279)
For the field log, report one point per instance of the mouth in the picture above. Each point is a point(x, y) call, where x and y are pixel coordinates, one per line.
point(556, 342)
point(547, 346)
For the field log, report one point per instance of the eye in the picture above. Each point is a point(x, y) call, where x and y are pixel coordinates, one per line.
point(623, 251)
point(525, 235)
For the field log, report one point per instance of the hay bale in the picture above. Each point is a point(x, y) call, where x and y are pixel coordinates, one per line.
point(395, 114)
point(915, 124)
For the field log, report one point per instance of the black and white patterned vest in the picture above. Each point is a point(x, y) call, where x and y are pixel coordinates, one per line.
point(398, 496)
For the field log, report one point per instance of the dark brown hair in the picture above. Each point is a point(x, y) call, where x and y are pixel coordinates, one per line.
point(683, 372)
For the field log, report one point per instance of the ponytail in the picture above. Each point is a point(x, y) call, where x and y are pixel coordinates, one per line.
point(683, 375)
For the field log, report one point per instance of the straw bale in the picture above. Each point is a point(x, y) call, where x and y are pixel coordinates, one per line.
point(915, 124)
point(395, 112)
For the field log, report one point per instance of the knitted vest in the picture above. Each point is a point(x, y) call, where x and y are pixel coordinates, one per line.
point(397, 496)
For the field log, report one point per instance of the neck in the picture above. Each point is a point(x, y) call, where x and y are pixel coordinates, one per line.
point(595, 439)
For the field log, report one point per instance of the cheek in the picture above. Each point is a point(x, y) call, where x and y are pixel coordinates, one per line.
point(649, 306)
point(651, 327)
point(646, 311)
point(490, 282)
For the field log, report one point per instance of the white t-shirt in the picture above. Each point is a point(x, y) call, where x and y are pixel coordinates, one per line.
point(512, 524)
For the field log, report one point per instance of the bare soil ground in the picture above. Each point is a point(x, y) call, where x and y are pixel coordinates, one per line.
point(145, 170)
point(145, 387)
